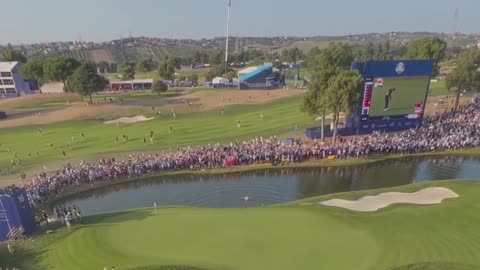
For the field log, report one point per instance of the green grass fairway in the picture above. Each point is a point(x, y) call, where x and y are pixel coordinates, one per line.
point(301, 235)
point(192, 129)
point(409, 91)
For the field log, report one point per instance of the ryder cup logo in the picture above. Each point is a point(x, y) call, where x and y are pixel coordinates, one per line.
point(21, 198)
point(400, 68)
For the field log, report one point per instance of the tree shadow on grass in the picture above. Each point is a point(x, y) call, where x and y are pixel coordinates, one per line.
point(24, 257)
point(118, 217)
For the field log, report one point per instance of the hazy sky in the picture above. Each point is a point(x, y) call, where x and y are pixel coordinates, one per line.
point(25, 21)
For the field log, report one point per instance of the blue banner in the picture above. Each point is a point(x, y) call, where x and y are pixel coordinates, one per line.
point(394, 94)
point(403, 68)
point(16, 215)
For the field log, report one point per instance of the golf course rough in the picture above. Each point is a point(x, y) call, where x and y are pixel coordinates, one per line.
point(300, 235)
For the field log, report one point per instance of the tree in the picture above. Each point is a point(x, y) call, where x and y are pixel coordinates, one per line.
point(369, 52)
point(60, 68)
point(205, 58)
point(466, 75)
point(278, 65)
point(386, 51)
point(141, 66)
point(166, 69)
point(342, 94)
point(33, 70)
point(144, 65)
point(230, 75)
point(159, 87)
point(112, 68)
point(103, 66)
point(328, 92)
point(297, 55)
point(10, 55)
point(127, 71)
point(333, 59)
point(312, 54)
point(219, 70)
point(431, 48)
point(379, 52)
point(217, 58)
point(194, 79)
point(197, 58)
point(315, 103)
point(292, 55)
point(86, 81)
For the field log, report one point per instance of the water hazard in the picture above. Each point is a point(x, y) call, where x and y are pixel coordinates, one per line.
point(266, 187)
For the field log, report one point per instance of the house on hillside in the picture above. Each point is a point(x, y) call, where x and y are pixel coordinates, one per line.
point(12, 84)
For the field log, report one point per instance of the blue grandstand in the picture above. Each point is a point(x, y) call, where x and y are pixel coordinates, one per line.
point(261, 77)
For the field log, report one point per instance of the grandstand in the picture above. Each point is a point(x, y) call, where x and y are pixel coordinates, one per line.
point(261, 77)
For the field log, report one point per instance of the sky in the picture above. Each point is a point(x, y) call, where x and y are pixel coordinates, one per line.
point(28, 21)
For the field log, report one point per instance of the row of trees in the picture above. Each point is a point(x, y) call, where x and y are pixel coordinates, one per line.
point(128, 70)
point(54, 69)
point(76, 77)
point(423, 49)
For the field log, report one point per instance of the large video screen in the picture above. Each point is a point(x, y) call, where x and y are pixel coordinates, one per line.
point(395, 97)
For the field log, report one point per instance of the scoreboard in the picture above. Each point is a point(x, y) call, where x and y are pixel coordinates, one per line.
point(394, 95)
point(367, 96)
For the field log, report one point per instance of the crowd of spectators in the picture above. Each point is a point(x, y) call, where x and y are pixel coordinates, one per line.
point(447, 131)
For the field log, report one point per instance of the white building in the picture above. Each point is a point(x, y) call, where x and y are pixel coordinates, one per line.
point(12, 84)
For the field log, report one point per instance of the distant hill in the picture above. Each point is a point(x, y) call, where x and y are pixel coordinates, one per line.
point(132, 49)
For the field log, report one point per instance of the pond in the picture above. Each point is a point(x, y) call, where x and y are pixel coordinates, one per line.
point(273, 186)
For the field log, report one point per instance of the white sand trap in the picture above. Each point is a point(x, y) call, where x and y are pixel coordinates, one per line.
point(427, 196)
point(129, 120)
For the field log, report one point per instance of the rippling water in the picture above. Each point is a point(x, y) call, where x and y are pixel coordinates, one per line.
point(273, 186)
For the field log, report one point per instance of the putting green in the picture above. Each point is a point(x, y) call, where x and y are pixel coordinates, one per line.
point(276, 238)
point(301, 235)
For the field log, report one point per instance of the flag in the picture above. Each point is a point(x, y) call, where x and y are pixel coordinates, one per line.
point(229, 3)
point(379, 83)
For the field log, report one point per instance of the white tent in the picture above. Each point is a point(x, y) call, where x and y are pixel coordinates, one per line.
point(219, 80)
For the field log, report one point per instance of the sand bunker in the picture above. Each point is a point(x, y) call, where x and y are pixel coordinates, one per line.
point(129, 120)
point(427, 196)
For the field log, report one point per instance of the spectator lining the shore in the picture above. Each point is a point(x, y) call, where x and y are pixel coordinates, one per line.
point(448, 131)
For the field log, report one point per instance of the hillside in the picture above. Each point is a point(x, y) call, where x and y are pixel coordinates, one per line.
point(132, 49)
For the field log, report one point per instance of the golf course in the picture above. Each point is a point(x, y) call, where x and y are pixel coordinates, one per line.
point(40, 141)
point(298, 235)
point(191, 126)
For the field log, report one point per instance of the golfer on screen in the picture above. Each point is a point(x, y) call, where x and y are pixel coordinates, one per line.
point(388, 98)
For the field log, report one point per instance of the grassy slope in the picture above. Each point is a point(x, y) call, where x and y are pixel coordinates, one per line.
point(189, 129)
point(293, 236)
